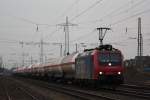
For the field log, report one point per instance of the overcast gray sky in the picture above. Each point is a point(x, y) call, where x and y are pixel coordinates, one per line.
point(18, 20)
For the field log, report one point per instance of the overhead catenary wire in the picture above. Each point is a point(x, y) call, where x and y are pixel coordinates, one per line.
point(87, 9)
point(83, 36)
point(52, 33)
point(83, 13)
point(63, 14)
point(4, 39)
point(115, 12)
point(145, 11)
point(70, 6)
point(68, 9)
point(131, 8)
point(129, 17)
point(136, 4)
point(31, 22)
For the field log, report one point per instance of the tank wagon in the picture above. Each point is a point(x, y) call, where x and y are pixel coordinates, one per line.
point(103, 64)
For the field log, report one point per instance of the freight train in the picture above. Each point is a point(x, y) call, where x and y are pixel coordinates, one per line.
point(100, 65)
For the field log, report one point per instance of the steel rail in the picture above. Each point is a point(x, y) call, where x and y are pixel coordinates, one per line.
point(144, 87)
point(78, 93)
point(134, 92)
point(5, 90)
point(22, 89)
point(29, 94)
point(84, 94)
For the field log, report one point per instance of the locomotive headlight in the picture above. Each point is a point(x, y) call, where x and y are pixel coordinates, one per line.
point(100, 73)
point(119, 73)
point(109, 64)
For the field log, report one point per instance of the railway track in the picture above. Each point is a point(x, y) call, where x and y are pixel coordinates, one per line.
point(95, 93)
point(130, 93)
point(3, 92)
point(86, 95)
point(134, 90)
point(143, 88)
point(33, 97)
point(11, 90)
point(142, 92)
point(74, 92)
point(90, 94)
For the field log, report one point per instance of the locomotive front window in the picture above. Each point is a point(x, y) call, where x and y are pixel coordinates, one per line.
point(104, 58)
point(113, 58)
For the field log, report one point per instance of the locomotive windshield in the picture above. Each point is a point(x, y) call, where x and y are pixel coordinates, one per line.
point(113, 58)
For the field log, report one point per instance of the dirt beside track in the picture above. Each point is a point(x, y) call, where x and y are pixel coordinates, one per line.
point(133, 76)
point(13, 88)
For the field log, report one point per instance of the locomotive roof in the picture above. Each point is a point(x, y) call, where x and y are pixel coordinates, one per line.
point(102, 48)
point(106, 47)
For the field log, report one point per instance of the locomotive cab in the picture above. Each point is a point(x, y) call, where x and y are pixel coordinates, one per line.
point(108, 65)
point(100, 65)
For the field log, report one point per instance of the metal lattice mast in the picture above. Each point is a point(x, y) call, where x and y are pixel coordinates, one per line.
point(1, 62)
point(41, 53)
point(22, 45)
point(41, 46)
point(140, 39)
point(67, 36)
point(66, 30)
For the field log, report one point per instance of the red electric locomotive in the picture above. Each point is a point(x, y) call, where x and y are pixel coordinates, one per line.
point(100, 65)
point(103, 64)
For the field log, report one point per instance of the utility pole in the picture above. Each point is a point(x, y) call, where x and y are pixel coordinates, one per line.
point(140, 39)
point(31, 60)
point(66, 30)
point(45, 59)
point(60, 44)
point(22, 45)
point(1, 63)
point(102, 33)
point(41, 53)
point(41, 45)
point(61, 50)
point(76, 47)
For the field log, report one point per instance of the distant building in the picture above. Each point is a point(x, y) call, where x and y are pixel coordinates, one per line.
point(143, 61)
point(1, 64)
point(129, 63)
point(138, 62)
